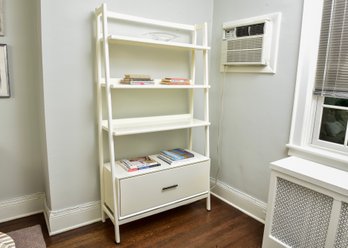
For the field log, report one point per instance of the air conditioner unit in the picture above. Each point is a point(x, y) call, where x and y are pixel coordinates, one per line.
point(250, 45)
point(246, 44)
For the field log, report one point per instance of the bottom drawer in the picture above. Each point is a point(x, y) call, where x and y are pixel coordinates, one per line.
point(148, 191)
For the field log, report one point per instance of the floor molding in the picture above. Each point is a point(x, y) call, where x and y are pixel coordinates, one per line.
point(243, 202)
point(63, 220)
point(21, 206)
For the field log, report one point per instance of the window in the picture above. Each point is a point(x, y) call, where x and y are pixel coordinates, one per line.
point(331, 83)
point(319, 125)
point(330, 128)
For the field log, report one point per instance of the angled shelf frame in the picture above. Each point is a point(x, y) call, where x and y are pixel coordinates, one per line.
point(118, 201)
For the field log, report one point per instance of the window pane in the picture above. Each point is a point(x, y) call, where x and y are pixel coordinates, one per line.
point(336, 101)
point(333, 125)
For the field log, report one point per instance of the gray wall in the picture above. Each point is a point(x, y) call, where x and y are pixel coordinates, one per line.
point(68, 88)
point(20, 154)
point(257, 107)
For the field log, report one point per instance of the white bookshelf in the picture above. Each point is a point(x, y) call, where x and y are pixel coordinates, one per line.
point(168, 185)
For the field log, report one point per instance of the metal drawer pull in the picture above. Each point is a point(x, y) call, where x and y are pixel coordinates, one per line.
point(169, 187)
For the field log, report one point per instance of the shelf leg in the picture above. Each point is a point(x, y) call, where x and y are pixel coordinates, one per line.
point(117, 234)
point(208, 203)
point(103, 216)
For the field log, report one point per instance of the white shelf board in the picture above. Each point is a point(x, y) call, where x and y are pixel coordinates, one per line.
point(122, 173)
point(127, 126)
point(142, 20)
point(115, 84)
point(157, 43)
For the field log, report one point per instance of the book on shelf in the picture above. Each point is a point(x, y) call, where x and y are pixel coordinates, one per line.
point(138, 163)
point(142, 76)
point(137, 82)
point(137, 79)
point(175, 81)
point(165, 159)
point(170, 156)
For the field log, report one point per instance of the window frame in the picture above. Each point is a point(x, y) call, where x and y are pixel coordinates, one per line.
point(317, 125)
point(305, 102)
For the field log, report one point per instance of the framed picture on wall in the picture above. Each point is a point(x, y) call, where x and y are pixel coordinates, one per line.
point(4, 76)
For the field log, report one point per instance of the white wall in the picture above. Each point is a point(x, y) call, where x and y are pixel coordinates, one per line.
point(68, 88)
point(20, 153)
point(257, 107)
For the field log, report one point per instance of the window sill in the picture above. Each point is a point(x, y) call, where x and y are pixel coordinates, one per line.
point(333, 159)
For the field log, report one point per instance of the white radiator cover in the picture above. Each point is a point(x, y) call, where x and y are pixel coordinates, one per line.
point(307, 207)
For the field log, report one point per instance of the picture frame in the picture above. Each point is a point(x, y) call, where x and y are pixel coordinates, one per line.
point(4, 75)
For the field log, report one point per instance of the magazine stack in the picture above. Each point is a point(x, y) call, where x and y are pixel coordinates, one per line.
point(138, 163)
point(170, 156)
point(137, 79)
point(175, 81)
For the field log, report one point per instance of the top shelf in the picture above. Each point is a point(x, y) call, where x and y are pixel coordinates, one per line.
point(191, 29)
point(120, 39)
point(136, 19)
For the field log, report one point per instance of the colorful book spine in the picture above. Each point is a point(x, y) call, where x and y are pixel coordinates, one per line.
point(137, 82)
point(175, 81)
point(182, 152)
point(165, 159)
point(172, 155)
point(141, 82)
point(127, 167)
point(148, 166)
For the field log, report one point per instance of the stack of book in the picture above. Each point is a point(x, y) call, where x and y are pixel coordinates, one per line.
point(170, 156)
point(175, 81)
point(137, 79)
point(138, 163)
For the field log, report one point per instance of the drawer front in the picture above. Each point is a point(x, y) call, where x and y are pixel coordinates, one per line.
point(152, 190)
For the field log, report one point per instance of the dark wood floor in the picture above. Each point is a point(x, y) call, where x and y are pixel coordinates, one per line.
point(186, 226)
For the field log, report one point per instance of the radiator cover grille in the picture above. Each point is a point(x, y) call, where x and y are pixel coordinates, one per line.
point(301, 215)
point(341, 240)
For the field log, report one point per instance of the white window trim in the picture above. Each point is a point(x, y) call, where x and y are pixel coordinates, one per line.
point(304, 101)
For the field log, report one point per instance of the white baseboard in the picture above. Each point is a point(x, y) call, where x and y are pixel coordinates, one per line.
point(63, 220)
point(57, 221)
point(21, 206)
point(243, 202)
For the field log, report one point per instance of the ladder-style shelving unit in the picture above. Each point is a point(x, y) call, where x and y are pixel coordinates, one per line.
point(166, 186)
